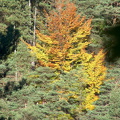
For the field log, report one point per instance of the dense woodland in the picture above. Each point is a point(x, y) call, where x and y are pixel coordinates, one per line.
point(59, 60)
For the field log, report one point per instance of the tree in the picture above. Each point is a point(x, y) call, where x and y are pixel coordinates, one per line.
point(114, 107)
point(18, 17)
point(104, 13)
point(64, 49)
point(107, 107)
point(67, 36)
point(14, 68)
point(42, 98)
point(95, 75)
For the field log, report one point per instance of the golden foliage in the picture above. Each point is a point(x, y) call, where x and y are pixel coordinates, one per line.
point(95, 73)
point(68, 32)
point(64, 48)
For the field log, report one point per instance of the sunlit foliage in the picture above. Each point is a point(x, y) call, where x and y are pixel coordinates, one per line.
point(64, 49)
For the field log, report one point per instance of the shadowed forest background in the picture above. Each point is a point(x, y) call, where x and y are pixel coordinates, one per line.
point(59, 60)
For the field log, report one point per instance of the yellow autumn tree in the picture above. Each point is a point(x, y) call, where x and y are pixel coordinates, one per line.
point(64, 49)
point(95, 75)
point(68, 32)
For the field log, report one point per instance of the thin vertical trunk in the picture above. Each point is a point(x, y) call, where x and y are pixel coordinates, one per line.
point(16, 69)
point(34, 29)
point(34, 35)
point(29, 4)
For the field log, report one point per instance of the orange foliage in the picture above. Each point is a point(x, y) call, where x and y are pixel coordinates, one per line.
point(64, 48)
point(67, 36)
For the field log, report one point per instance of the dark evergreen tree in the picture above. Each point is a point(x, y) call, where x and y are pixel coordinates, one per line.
point(104, 13)
point(16, 13)
point(41, 97)
point(114, 108)
point(14, 68)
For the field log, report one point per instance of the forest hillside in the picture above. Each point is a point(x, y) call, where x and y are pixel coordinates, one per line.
point(59, 60)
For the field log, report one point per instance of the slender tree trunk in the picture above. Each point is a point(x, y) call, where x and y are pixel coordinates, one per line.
point(16, 69)
point(33, 8)
point(29, 4)
point(34, 34)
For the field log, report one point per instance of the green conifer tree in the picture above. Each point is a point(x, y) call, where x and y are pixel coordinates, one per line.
point(16, 13)
point(43, 98)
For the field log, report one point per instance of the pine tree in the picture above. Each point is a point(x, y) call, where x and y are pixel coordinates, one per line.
point(16, 13)
point(41, 97)
point(14, 68)
point(114, 107)
point(104, 13)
